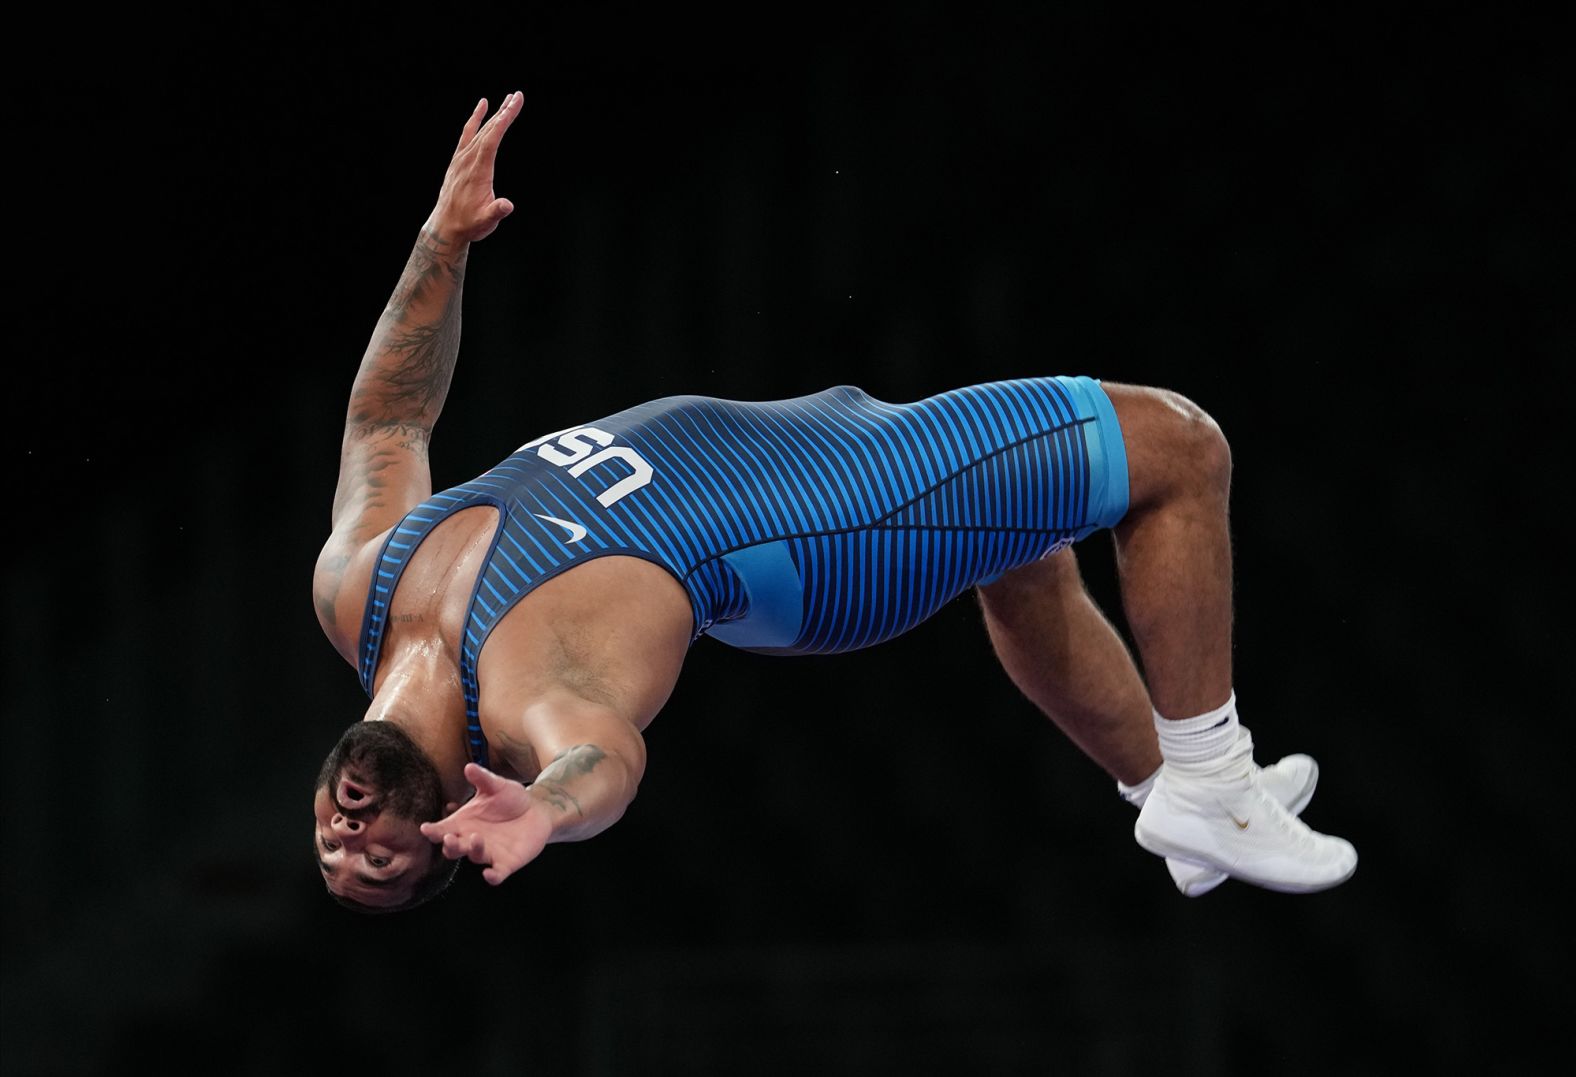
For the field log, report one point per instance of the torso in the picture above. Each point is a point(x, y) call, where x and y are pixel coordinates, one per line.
point(820, 524)
point(614, 629)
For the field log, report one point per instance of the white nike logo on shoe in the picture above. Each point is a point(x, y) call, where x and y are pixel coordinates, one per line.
point(576, 532)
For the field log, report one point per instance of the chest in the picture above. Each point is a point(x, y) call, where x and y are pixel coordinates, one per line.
point(427, 606)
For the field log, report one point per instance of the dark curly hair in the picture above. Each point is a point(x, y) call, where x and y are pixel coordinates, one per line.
point(411, 788)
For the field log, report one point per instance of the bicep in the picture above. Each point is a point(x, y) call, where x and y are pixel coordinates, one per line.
point(564, 725)
point(383, 474)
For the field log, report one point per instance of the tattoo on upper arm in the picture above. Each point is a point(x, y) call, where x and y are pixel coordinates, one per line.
point(412, 437)
point(326, 591)
point(363, 481)
point(327, 602)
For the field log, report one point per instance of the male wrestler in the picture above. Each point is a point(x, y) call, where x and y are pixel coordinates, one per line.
point(518, 632)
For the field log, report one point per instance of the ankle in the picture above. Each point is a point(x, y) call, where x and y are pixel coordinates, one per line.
point(1208, 745)
point(1137, 794)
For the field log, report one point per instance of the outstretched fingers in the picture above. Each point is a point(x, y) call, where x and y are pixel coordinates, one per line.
point(472, 125)
point(492, 130)
point(496, 867)
point(471, 846)
point(487, 830)
point(492, 133)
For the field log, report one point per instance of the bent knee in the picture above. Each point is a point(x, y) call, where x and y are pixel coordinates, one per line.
point(1171, 442)
point(1198, 436)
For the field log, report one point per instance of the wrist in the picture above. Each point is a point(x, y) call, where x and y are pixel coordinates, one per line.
point(443, 240)
point(554, 809)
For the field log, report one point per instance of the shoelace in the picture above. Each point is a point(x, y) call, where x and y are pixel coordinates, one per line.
point(1239, 762)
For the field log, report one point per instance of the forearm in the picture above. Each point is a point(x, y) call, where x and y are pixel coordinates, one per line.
point(405, 373)
point(584, 791)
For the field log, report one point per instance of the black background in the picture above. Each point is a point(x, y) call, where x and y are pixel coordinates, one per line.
point(1343, 237)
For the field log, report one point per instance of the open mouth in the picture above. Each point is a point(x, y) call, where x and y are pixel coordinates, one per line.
point(354, 795)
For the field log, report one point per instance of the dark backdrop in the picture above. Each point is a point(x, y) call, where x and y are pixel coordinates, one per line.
point(1337, 235)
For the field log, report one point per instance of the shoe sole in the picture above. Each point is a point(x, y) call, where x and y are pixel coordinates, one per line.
point(1161, 847)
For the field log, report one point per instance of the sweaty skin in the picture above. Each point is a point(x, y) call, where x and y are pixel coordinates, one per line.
point(574, 672)
point(568, 678)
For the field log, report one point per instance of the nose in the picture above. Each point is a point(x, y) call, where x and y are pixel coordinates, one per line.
point(343, 826)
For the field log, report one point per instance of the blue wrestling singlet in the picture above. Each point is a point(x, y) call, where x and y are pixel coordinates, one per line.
point(819, 524)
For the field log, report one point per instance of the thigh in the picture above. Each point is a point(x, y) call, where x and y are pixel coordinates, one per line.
point(1037, 585)
point(1007, 480)
point(864, 587)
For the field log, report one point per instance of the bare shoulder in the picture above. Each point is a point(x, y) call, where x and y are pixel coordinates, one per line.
point(340, 582)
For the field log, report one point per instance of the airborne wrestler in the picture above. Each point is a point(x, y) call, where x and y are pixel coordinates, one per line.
point(519, 632)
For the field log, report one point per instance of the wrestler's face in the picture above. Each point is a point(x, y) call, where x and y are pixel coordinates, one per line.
point(375, 789)
point(366, 853)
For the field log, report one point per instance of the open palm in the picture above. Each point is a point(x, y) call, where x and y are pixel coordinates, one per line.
point(468, 210)
point(502, 827)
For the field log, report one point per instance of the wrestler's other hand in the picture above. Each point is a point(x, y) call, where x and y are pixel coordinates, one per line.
point(467, 209)
point(502, 827)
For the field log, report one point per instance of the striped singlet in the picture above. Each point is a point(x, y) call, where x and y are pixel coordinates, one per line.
point(819, 524)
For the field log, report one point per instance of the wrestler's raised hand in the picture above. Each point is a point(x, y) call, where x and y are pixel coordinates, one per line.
point(467, 208)
point(502, 827)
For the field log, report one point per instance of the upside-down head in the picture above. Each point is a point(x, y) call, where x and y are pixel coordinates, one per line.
point(374, 791)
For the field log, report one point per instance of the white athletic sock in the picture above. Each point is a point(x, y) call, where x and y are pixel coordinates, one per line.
point(1137, 794)
point(1202, 745)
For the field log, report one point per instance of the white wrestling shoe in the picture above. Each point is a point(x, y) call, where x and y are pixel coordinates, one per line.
point(1290, 781)
point(1239, 827)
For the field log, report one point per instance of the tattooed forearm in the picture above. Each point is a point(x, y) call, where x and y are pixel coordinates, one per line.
point(581, 759)
point(405, 374)
point(433, 260)
point(559, 797)
point(410, 374)
point(574, 763)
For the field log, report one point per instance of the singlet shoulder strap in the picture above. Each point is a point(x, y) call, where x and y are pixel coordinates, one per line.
point(395, 554)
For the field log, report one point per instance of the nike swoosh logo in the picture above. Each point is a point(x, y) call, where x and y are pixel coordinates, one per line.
point(576, 532)
point(1242, 824)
